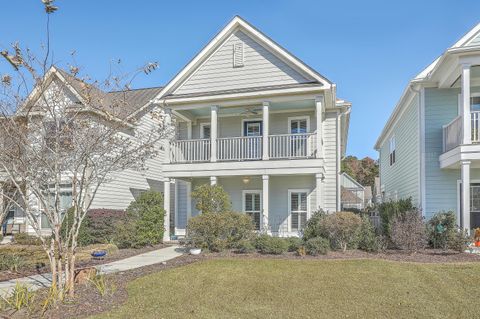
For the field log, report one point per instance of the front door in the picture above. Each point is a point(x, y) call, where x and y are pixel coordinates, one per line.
point(253, 128)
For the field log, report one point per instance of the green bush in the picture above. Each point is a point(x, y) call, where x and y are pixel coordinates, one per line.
point(294, 243)
point(143, 224)
point(313, 227)
point(85, 236)
point(391, 209)
point(217, 232)
point(26, 239)
point(342, 229)
point(442, 228)
point(211, 199)
point(245, 247)
point(317, 246)
point(271, 245)
point(368, 240)
point(12, 262)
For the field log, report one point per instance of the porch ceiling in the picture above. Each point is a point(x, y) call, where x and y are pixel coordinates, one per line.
point(474, 77)
point(239, 110)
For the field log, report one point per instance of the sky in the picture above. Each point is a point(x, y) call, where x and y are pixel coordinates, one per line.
point(370, 49)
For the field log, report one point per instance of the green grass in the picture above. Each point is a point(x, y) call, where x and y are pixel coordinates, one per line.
point(269, 288)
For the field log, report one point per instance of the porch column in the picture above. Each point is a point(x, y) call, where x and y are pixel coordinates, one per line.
point(465, 167)
point(166, 207)
point(266, 130)
point(265, 201)
point(467, 130)
point(213, 180)
point(319, 190)
point(319, 119)
point(213, 132)
point(166, 146)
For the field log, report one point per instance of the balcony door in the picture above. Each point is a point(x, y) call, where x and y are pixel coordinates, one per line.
point(298, 127)
point(252, 146)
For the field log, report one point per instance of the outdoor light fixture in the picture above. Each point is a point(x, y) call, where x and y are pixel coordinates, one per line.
point(246, 180)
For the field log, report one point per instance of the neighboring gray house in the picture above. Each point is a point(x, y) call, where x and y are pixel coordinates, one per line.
point(429, 147)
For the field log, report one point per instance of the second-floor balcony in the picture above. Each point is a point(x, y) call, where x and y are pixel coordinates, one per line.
point(453, 131)
point(244, 148)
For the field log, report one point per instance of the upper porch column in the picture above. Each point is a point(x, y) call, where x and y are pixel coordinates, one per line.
point(166, 147)
point(213, 132)
point(266, 130)
point(467, 125)
point(319, 117)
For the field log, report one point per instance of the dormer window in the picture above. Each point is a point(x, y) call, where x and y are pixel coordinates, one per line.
point(238, 60)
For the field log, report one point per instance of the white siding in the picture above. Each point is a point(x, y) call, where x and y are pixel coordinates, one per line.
point(330, 158)
point(261, 68)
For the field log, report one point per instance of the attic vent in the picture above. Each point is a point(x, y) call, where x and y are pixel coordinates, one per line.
point(238, 55)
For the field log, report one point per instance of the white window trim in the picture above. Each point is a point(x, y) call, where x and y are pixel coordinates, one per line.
point(257, 119)
point(253, 191)
point(202, 125)
point(289, 218)
point(290, 119)
point(390, 150)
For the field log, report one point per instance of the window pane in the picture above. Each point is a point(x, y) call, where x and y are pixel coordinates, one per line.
point(248, 202)
point(294, 202)
point(294, 221)
point(303, 201)
point(206, 131)
point(44, 222)
point(475, 103)
point(256, 202)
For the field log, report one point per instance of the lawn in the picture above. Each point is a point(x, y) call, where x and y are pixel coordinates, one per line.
point(277, 288)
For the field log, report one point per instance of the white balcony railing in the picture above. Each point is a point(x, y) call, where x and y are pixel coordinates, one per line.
point(292, 145)
point(453, 131)
point(245, 148)
point(188, 151)
point(239, 148)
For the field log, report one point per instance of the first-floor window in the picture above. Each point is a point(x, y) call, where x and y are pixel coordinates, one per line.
point(298, 210)
point(252, 206)
point(64, 200)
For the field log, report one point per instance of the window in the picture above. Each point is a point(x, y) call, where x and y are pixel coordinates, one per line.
point(252, 128)
point(65, 202)
point(298, 209)
point(475, 103)
point(299, 125)
point(392, 150)
point(238, 60)
point(252, 206)
point(205, 130)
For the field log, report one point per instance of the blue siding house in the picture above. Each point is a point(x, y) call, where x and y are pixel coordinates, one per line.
point(429, 149)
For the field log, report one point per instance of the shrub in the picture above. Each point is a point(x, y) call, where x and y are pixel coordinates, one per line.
point(271, 245)
point(368, 239)
point(317, 246)
point(12, 262)
point(313, 226)
point(217, 232)
point(143, 224)
point(459, 240)
point(22, 296)
point(391, 209)
point(342, 229)
point(442, 227)
point(245, 247)
point(294, 243)
point(85, 236)
point(211, 199)
point(408, 231)
point(26, 239)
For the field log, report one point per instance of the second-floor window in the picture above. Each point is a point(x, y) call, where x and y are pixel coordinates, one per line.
point(205, 131)
point(298, 126)
point(392, 150)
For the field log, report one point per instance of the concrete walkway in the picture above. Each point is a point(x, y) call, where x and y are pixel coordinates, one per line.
point(153, 257)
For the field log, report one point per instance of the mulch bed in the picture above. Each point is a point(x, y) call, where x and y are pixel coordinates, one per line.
point(88, 302)
point(121, 254)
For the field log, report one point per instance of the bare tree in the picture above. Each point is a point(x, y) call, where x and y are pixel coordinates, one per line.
point(59, 130)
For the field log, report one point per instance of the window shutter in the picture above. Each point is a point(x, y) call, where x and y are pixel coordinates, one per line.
point(238, 60)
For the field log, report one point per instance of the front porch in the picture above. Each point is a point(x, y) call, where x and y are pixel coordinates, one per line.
point(278, 204)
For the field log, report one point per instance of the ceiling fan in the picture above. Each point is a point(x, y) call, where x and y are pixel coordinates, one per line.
point(250, 111)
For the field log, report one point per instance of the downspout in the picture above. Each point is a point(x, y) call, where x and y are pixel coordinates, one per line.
point(343, 112)
point(421, 120)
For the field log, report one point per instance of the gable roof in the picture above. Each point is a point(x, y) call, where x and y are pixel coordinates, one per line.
point(471, 40)
point(237, 23)
point(120, 104)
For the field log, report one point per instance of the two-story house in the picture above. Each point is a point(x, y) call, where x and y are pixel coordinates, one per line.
point(256, 120)
point(250, 117)
point(429, 147)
